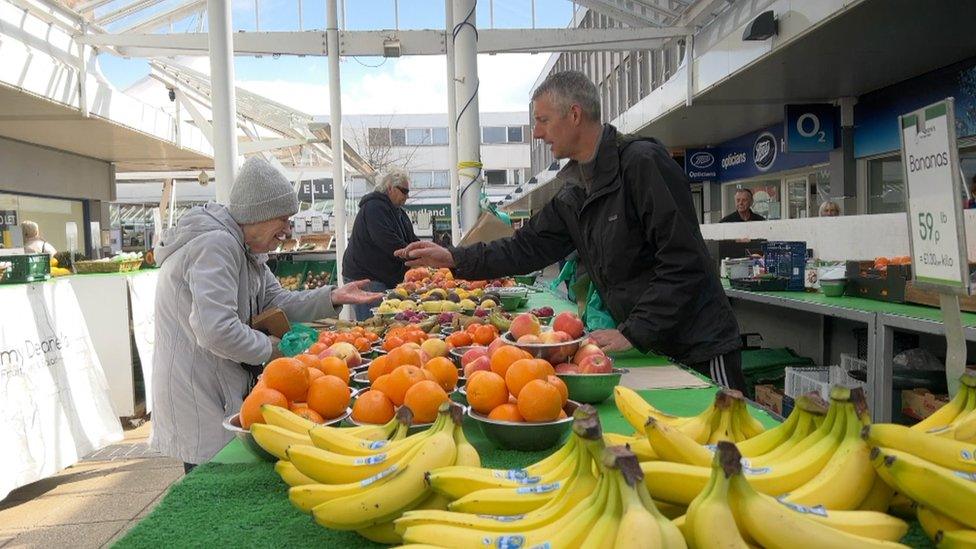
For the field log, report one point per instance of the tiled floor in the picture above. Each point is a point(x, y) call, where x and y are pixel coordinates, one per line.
point(92, 503)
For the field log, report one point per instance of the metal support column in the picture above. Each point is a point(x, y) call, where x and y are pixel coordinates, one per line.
point(224, 98)
point(335, 129)
point(452, 134)
point(467, 122)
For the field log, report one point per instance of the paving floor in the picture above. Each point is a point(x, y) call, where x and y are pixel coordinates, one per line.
point(92, 503)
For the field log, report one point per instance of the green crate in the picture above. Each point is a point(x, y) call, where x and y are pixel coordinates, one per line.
point(315, 267)
point(291, 268)
point(27, 268)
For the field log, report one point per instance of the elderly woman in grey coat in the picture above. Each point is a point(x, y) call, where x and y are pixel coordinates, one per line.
point(213, 279)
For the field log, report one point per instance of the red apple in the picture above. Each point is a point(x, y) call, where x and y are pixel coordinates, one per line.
point(524, 324)
point(345, 351)
point(531, 339)
point(595, 364)
point(498, 342)
point(480, 363)
point(555, 336)
point(473, 353)
point(567, 368)
point(568, 322)
point(587, 350)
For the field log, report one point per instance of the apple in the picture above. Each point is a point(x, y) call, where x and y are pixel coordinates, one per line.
point(567, 368)
point(472, 354)
point(524, 324)
point(587, 350)
point(595, 364)
point(345, 351)
point(478, 364)
point(498, 342)
point(554, 336)
point(434, 347)
point(531, 339)
point(568, 322)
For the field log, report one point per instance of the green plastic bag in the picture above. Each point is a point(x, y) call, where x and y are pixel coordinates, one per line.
point(567, 274)
point(596, 317)
point(298, 340)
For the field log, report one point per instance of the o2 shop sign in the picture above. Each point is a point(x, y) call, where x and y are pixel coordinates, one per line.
point(809, 128)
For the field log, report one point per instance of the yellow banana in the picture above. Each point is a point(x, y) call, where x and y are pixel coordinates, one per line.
point(805, 427)
point(722, 427)
point(750, 426)
point(387, 501)
point(386, 532)
point(879, 497)
point(806, 405)
point(774, 526)
point(699, 428)
point(673, 445)
point(638, 527)
point(638, 444)
point(291, 475)
point(309, 496)
point(508, 501)
point(963, 401)
point(965, 427)
point(802, 443)
point(933, 522)
point(286, 419)
point(636, 410)
point(276, 440)
point(603, 532)
point(710, 519)
point(948, 492)
point(956, 539)
point(467, 455)
point(952, 454)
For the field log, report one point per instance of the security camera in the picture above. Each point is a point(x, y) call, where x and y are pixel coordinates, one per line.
point(172, 94)
point(203, 178)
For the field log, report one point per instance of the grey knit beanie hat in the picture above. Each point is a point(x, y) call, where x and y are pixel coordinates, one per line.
point(261, 192)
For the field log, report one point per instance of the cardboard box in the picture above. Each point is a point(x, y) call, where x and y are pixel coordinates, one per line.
point(770, 397)
point(921, 403)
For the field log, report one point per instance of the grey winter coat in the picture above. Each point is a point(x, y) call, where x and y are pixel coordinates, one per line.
point(209, 287)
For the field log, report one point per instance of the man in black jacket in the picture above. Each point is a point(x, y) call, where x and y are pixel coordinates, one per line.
point(381, 227)
point(627, 210)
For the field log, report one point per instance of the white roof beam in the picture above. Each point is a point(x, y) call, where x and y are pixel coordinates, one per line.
point(652, 5)
point(125, 11)
point(163, 19)
point(261, 145)
point(91, 5)
point(701, 11)
point(370, 43)
point(629, 16)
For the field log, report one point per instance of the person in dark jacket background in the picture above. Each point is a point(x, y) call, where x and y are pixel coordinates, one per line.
point(627, 209)
point(381, 227)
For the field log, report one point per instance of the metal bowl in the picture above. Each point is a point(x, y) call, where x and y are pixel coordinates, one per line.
point(555, 353)
point(526, 436)
point(591, 388)
point(360, 380)
point(457, 352)
point(233, 424)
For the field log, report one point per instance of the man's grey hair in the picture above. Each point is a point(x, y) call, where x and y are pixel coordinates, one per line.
point(570, 88)
point(393, 178)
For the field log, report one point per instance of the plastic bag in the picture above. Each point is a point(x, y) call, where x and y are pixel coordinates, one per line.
point(596, 316)
point(298, 340)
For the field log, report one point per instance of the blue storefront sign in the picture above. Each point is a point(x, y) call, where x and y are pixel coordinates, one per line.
point(761, 152)
point(702, 164)
point(810, 128)
point(876, 113)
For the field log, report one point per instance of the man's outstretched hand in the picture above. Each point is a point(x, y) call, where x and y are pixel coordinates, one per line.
point(611, 341)
point(353, 294)
point(425, 254)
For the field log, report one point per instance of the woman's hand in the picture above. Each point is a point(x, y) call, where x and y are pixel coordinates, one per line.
point(353, 294)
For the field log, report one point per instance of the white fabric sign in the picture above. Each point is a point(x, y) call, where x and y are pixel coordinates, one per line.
point(142, 293)
point(54, 400)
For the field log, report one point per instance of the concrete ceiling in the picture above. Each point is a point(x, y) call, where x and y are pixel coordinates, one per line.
point(32, 119)
point(875, 44)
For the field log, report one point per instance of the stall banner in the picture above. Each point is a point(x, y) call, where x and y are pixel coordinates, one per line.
point(321, 189)
point(142, 296)
point(54, 400)
point(810, 127)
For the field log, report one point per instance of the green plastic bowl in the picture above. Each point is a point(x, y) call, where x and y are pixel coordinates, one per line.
point(833, 288)
point(526, 437)
point(591, 388)
point(528, 279)
point(511, 302)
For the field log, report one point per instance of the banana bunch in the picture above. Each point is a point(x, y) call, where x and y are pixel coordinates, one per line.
point(603, 503)
point(957, 418)
point(726, 419)
point(944, 496)
point(348, 482)
point(729, 512)
point(828, 466)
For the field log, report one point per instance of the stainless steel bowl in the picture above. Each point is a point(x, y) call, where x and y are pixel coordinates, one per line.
point(233, 424)
point(525, 436)
point(555, 353)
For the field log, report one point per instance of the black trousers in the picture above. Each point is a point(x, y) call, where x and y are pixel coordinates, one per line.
point(725, 370)
point(187, 467)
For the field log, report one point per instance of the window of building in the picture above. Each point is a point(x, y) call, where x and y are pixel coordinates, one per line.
point(496, 177)
point(441, 179)
point(439, 136)
point(379, 136)
point(886, 188)
point(418, 136)
point(398, 136)
point(421, 180)
point(515, 134)
point(50, 214)
point(494, 134)
point(766, 196)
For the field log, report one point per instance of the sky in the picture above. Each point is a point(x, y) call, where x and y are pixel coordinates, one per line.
point(370, 85)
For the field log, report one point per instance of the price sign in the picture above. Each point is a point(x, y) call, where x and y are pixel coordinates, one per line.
point(934, 185)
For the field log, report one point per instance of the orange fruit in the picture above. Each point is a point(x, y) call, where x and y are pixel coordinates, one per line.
point(328, 396)
point(506, 412)
point(476, 373)
point(335, 366)
point(460, 339)
point(423, 399)
point(560, 386)
point(539, 401)
point(313, 374)
point(380, 366)
point(373, 407)
point(251, 408)
point(317, 348)
point(504, 357)
point(485, 334)
point(312, 361)
point(402, 378)
point(521, 372)
point(382, 384)
point(444, 371)
point(404, 356)
point(391, 343)
point(546, 365)
point(562, 414)
point(287, 376)
point(486, 391)
point(303, 410)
